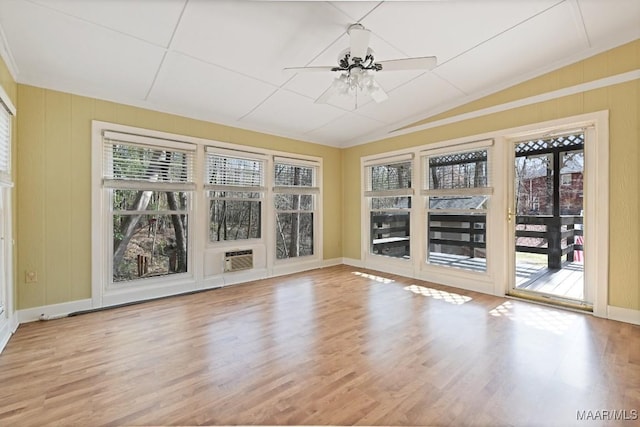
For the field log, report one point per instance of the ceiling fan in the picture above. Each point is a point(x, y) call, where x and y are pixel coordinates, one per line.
point(357, 68)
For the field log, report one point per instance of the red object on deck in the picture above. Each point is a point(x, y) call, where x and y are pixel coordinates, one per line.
point(578, 256)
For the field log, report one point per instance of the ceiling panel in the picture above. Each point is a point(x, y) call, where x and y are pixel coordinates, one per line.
point(206, 91)
point(447, 28)
point(344, 129)
point(288, 111)
point(598, 16)
point(70, 54)
point(355, 10)
point(224, 59)
point(541, 41)
point(420, 95)
point(136, 18)
point(258, 38)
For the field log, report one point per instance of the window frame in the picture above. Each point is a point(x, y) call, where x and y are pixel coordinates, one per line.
point(8, 318)
point(369, 194)
point(261, 190)
point(106, 291)
point(315, 190)
point(486, 190)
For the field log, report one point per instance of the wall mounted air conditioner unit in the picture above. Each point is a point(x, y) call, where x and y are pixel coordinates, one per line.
point(238, 260)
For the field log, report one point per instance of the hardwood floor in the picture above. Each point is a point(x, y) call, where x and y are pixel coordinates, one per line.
point(335, 346)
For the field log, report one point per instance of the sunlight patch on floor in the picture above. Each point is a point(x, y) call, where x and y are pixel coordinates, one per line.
point(449, 297)
point(373, 277)
point(544, 319)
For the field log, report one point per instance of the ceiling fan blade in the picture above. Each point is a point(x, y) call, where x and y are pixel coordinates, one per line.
point(326, 95)
point(420, 63)
point(359, 39)
point(310, 69)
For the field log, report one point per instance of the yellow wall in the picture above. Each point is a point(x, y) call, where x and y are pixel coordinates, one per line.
point(54, 161)
point(54, 182)
point(622, 101)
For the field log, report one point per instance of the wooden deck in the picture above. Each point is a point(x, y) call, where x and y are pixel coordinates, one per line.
point(566, 282)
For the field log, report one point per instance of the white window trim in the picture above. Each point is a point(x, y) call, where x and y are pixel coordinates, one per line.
point(495, 282)
point(8, 317)
point(284, 266)
point(202, 276)
point(371, 260)
point(262, 189)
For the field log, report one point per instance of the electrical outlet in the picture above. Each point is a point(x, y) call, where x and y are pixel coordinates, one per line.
point(30, 277)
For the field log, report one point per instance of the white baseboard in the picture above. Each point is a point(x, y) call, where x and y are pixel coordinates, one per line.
point(353, 262)
point(627, 315)
point(32, 314)
point(331, 262)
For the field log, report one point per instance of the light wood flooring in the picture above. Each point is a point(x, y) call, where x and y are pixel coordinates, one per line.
point(336, 346)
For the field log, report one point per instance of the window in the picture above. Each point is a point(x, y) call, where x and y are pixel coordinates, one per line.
point(456, 186)
point(389, 194)
point(235, 189)
point(5, 144)
point(149, 185)
point(295, 196)
point(6, 112)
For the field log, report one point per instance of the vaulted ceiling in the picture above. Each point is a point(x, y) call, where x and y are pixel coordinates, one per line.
point(222, 61)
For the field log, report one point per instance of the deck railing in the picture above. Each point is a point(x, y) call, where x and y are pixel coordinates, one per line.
point(554, 235)
point(473, 226)
point(392, 231)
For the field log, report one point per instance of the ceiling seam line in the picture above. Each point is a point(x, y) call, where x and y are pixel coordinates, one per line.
point(166, 51)
point(258, 105)
point(579, 18)
point(502, 32)
point(225, 68)
point(155, 77)
point(104, 27)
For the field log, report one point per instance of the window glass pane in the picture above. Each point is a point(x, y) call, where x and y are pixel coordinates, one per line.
point(571, 188)
point(142, 200)
point(234, 195)
point(390, 234)
point(458, 170)
point(294, 234)
point(143, 163)
point(5, 140)
point(222, 170)
point(149, 245)
point(231, 219)
point(458, 202)
point(390, 202)
point(292, 175)
point(390, 177)
point(293, 202)
point(534, 185)
point(457, 240)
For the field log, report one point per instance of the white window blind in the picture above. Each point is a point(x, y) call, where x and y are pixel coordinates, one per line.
point(130, 162)
point(5, 144)
point(234, 173)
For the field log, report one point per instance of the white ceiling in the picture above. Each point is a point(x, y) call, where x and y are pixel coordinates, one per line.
point(222, 61)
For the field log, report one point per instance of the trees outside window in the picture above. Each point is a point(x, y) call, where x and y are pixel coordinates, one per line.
point(235, 190)
point(295, 203)
point(149, 188)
